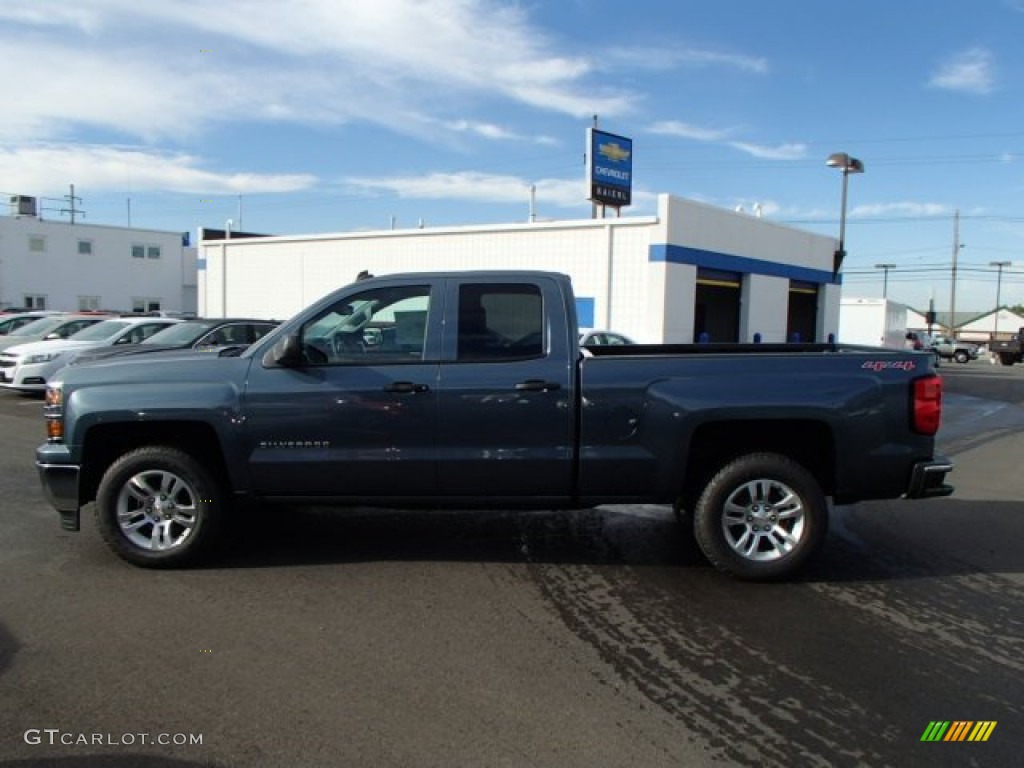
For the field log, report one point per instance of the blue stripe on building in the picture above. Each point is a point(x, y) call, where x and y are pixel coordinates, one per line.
point(679, 254)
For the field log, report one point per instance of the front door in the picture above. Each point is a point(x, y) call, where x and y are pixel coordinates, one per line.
point(359, 417)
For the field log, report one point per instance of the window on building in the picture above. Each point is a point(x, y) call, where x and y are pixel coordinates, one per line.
point(85, 247)
point(88, 303)
point(152, 251)
point(37, 244)
point(143, 305)
point(138, 251)
point(35, 301)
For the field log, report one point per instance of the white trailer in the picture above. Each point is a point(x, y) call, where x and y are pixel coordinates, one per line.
point(873, 322)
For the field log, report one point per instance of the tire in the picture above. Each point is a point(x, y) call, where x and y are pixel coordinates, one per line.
point(761, 517)
point(1007, 359)
point(157, 507)
point(961, 356)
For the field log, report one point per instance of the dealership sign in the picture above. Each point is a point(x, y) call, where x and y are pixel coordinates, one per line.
point(609, 168)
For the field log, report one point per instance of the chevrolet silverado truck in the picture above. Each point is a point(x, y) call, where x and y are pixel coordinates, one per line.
point(949, 348)
point(470, 391)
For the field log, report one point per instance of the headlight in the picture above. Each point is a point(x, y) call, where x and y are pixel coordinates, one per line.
point(43, 357)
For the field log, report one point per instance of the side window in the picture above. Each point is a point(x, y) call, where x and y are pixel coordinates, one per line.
point(379, 326)
point(500, 321)
point(257, 332)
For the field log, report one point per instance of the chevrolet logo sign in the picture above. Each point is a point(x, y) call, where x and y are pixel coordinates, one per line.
point(613, 152)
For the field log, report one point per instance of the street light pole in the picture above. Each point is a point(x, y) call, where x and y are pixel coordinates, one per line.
point(885, 277)
point(848, 165)
point(999, 284)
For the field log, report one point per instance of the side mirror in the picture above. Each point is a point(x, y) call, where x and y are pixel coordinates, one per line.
point(286, 353)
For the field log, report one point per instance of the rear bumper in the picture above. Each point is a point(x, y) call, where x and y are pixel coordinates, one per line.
point(60, 485)
point(928, 479)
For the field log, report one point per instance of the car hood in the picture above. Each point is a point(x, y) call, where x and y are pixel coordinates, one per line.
point(53, 345)
point(154, 351)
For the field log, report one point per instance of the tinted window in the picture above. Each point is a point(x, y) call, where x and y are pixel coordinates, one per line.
point(500, 322)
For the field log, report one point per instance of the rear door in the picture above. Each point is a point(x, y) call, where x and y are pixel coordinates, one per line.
point(505, 399)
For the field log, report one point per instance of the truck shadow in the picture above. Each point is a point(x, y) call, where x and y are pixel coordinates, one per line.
point(869, 542)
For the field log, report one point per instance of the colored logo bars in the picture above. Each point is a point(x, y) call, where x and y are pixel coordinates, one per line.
point(958, 730)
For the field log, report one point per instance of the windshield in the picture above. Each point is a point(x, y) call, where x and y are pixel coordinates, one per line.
point(39, 327)
point(100, 331)
point(181, 334)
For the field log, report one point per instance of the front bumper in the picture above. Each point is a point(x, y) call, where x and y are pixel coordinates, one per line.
point(60, 486)
point(927, 479)
point(26, 378)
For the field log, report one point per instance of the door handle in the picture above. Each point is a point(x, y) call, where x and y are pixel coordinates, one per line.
point(406, 388)
point(537, 385)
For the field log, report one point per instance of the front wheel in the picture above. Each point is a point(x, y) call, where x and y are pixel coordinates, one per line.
point(960, 356)
point(1007, 359)
point(761, 517)
point(157, 507)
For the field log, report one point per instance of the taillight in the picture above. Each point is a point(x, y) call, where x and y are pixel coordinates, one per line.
point(927, 406)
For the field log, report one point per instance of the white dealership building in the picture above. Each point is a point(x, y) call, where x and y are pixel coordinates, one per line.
point(691, 272)
point(76, 266)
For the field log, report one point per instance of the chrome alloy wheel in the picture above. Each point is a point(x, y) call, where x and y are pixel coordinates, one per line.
point(157, 510)
point(763, 520)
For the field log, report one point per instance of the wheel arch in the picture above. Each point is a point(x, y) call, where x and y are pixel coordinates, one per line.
point(808, 442)
point(105, 443)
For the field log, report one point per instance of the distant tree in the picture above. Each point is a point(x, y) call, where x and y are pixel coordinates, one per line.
point(1017, 309)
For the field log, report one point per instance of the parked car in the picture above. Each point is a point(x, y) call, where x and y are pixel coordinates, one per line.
point(603, 338)
point(12, 321)
point(190, 334)
point(953, 349)
point(59, 326)
point(28, 367)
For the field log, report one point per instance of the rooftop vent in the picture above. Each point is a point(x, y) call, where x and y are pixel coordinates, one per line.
point(23, 205)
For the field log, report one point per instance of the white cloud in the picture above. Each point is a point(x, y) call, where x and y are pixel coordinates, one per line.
point(903, 209)
point(971, 71)
point(781, 152)
point(688, 131)
point(477, 187)
point(663, 59)
point(487, 188)
point(47, 169)
point(160, 69)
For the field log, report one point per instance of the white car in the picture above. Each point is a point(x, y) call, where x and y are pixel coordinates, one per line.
point(58, 326)
point(27, 367)
point(604, 338)
point(12, 321)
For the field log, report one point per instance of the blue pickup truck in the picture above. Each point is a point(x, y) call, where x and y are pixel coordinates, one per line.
point(470, 390)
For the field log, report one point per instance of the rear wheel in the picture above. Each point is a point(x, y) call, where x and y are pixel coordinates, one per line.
point(761, 517)
point(157, 507)
point(1007, 359)
point(961, 356)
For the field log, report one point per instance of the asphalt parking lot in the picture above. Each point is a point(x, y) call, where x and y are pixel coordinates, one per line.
point(590, 638)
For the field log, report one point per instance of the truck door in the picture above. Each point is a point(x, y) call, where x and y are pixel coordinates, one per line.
point(506, 391)
point(358, 417)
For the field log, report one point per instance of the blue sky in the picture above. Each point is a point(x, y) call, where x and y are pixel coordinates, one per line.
point(309, 116)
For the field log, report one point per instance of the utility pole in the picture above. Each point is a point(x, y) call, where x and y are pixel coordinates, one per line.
point(71, 201)
point(952, 292)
